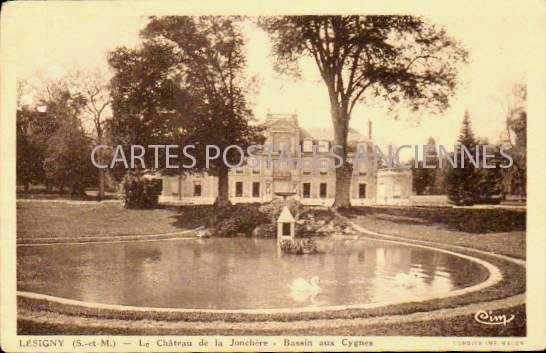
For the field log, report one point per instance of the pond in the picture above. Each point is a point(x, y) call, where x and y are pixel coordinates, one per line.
point(241, 273)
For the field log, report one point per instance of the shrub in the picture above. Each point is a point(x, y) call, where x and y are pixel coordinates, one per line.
point(141, 193)
point(266, 230)
point(238, 219)
point(274, 208)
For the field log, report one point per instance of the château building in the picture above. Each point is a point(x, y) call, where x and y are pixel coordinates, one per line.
point(311, 186)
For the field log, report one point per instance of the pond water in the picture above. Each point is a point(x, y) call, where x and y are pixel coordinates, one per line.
point(240, 273)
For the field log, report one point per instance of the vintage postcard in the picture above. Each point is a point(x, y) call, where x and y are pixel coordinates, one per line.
point(272, 176)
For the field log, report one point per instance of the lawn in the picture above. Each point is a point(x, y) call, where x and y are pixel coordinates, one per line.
point(505, 235)
point(39, 192)
point(501, 231)
point(468, 220)
point(463, 325)
point(43, 220)
point(40, 220)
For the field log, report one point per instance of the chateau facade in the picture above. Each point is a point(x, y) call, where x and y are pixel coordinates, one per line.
point(311, 186)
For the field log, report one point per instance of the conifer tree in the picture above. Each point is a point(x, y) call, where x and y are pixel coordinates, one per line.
point(463, 181)
point(490, 179)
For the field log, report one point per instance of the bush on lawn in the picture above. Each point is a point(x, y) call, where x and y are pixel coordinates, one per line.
point(141, 193)
point(266, 230)
point(274, 208)
point(238, 220)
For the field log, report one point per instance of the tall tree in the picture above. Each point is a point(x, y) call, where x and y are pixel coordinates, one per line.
point(94, 88)
point(490, 179)
point(147, 99)
point(421, 178)
point(67, 160)
point(394, 58)
point(30, 154)
point(425, 179)
point(194, 91)
point(68, 148)
point(463, 181)
point(516, 137)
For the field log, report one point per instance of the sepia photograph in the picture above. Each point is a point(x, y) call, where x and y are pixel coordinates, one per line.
point(254, 180)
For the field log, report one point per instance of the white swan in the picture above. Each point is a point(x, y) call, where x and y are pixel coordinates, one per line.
point(302, 290)
point(202, 232)
point(407, 280)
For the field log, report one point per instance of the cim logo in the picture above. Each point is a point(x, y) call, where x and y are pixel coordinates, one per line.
point(488, 318)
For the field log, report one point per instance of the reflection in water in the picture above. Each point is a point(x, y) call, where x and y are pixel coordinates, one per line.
point(239, 273)
point(305, 290)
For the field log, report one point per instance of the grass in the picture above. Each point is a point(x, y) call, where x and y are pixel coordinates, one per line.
point(507, 238)
point(43, 220)
point(466, 220)
point(35, 220)
point(38, 220)
point(463, 325)
point(42, 194)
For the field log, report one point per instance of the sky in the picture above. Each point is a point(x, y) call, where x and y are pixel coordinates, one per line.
point(497, 46)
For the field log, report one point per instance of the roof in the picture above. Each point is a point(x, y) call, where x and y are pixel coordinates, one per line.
point(324, 134)
point(283, 119)
point(290, 121)
point(286, 216)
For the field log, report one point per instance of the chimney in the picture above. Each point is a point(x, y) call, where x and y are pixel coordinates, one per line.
point(370, 130)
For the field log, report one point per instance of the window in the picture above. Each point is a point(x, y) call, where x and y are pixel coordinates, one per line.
point(323, 190)
point(361, 191)
point(159, 184)
point(255, 171)
point(306, 172)
point(308, 146)
point(362, 173)
point(284, 147)
point(323, 146)
point(323, 172)
point(397, 192)
point(239, 189)
point(286, 229)
point(239, 171)
point(256, 189)
point(306, 190)
point(196, 190)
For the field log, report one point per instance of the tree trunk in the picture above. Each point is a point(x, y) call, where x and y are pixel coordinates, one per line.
point(223, 187)
point(344, 173)
point(100, 195)
point(343, 186)
point(78, 190)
